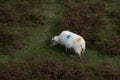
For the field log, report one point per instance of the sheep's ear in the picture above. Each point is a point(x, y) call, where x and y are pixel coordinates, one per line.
point(53, 38)
point(56, 37)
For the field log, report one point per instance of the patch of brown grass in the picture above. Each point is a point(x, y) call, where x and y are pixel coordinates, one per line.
point(23, 12)
point(106, 72)
point(29, 13)
point(110, 46)
point(50, 69)
point(14, 72)
point(7, 15)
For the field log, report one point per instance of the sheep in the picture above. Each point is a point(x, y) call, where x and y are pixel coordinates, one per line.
point(70, 40)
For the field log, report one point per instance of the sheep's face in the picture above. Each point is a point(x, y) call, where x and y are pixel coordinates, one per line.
point(54, 41)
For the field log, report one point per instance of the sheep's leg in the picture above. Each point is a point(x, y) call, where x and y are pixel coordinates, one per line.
point(79, 52)
point(66, 50)
point(83, 58)
point(70, 51)
point(81, 55)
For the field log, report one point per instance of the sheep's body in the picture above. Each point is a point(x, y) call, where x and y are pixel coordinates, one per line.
point(71, 40)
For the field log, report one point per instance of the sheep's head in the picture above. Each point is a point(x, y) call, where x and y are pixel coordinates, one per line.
point(54, 41)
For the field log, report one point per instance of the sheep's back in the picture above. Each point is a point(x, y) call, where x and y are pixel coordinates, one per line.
point(69, 39)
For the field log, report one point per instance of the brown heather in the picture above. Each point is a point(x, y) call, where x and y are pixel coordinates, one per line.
point(52, 70)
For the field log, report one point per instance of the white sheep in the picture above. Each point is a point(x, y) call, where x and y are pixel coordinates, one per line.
point(70, 40)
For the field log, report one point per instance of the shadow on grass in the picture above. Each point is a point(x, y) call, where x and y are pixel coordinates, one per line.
point(60, 49)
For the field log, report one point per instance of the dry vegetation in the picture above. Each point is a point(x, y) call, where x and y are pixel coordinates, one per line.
point(7, 14)
point(52, 70)
point(4, 39)
point(29, 13)
point(110, 46)
point(23, 12)
point(26, 12)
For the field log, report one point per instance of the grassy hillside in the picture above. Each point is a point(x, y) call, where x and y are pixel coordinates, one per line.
point(31, 37)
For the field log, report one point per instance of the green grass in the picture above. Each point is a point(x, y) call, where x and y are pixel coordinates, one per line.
point(37, 48)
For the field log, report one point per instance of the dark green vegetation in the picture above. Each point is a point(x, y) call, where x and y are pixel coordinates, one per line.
point(26, 26)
